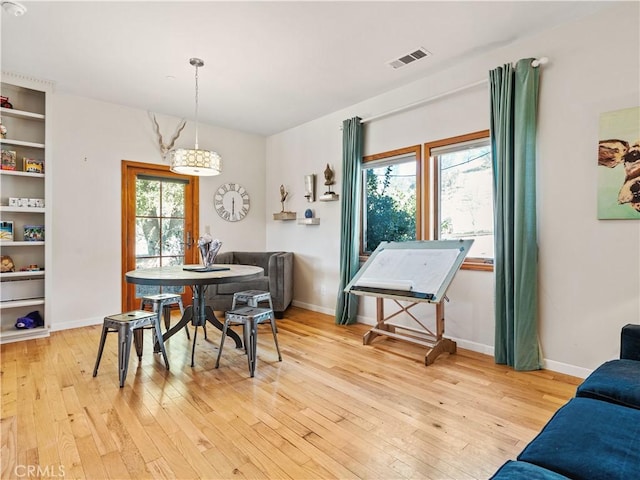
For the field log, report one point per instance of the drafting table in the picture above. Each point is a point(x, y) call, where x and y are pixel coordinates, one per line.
point(414, 272)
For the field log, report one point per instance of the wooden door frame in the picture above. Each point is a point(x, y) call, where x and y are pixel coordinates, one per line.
point(128, 198)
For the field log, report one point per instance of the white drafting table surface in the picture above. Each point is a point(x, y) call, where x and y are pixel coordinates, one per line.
point(417, 270)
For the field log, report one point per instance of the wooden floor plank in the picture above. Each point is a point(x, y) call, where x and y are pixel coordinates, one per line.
point(333, 408)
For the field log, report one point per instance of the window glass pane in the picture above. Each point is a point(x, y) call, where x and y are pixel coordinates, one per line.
point(390, 203)
point(466, 198)
point(173, 199)
point(168, 261)
point(147, 197)
point(147, 262)
point(172, 235)
point(147, 236)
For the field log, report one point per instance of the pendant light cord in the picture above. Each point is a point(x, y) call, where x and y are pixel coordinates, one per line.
point(196, 107)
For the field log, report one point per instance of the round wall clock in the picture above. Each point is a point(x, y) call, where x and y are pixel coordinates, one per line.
point(231, 201)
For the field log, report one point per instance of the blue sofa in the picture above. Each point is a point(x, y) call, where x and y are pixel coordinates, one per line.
point(596, 435)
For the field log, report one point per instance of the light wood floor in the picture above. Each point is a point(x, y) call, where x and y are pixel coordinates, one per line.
point(332, 408)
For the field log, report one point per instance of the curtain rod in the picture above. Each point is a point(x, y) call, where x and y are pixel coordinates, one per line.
point(535, 63)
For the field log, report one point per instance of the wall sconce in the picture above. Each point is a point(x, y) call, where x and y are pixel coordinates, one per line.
point(310, 187)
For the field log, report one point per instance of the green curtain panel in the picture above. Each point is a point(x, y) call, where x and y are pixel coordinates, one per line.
point(514, 99)
point(347, 304)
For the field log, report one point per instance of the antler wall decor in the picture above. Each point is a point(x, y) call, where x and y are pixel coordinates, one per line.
point(165, 148)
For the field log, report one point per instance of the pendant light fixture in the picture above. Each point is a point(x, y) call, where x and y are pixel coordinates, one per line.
point(193, 161)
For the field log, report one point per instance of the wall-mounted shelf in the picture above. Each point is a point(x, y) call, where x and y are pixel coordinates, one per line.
point(11, 112)
point(20, 143)
point(285, 216)
point(21, 275)
point(21, 243)
point(309, 221)
point(19, 173)
point(329, 197)
point(5, 208)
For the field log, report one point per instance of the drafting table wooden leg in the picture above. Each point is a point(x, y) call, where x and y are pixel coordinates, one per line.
point(442, 344)
point(380, 323)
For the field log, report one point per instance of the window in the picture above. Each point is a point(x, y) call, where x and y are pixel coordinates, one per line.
point(391, 198)
point(463, 194)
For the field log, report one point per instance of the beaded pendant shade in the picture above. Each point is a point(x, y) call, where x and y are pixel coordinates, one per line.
point(194, 161)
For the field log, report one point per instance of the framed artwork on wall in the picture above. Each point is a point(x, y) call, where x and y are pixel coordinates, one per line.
point(619, 165)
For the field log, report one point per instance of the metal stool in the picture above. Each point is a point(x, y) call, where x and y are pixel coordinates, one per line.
point(128, 325)
point(251, 298)
point(161, 304)
point(249, 318)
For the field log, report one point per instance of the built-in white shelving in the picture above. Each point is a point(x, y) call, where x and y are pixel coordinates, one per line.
point(28, 135)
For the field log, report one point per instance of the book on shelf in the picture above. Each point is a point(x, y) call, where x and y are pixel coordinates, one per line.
point(32, 165)
point(8, 159)
point(6, 231)
point(34, 233)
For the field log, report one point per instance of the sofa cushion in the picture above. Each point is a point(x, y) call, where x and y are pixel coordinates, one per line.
point(589, 439)
point(617, 381)
point(525, 471)
point(231, 288)
point(630, 342)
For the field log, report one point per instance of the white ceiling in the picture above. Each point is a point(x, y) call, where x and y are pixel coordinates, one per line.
point(269, 66)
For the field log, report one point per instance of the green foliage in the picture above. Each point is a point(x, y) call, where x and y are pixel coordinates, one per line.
point(391, 212)
point(159, 218)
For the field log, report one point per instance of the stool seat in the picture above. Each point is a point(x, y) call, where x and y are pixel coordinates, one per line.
point(249, 318)
point(127, 325)
point(251, 298)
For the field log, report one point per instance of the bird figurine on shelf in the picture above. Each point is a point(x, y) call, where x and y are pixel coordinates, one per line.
point(283, 196)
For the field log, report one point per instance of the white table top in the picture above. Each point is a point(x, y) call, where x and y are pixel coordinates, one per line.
point(175, 275)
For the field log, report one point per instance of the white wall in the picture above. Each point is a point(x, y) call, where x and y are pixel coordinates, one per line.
point(589, 269)
point(90, 139)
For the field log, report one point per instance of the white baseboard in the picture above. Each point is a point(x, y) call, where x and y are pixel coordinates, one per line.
point(314, 308)
point(565, 368)
point(85, 322)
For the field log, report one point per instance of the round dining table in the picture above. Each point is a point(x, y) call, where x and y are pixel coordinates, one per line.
point(198, 278)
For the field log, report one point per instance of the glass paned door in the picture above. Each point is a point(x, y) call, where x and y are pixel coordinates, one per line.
point(160, 227)
point(159, 222)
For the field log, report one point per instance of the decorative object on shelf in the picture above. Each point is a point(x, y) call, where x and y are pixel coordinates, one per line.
point(4, 102)
point(329, 195)
point(165, 148)
point(26, 202)
point(6, 264)
point(284, 215)
point(310, 187)
point(6, 231)
point(232, 202)
point(34, 233)
point(308, 213)
point(8, 159)
point(30, 320)
point(193, 161)
point(32, 165)
point(283, 196)
point(3, 130)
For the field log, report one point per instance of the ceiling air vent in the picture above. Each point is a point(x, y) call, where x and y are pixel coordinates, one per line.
point(409, 58)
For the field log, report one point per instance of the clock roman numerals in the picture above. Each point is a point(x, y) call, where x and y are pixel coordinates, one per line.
point(231, 201)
